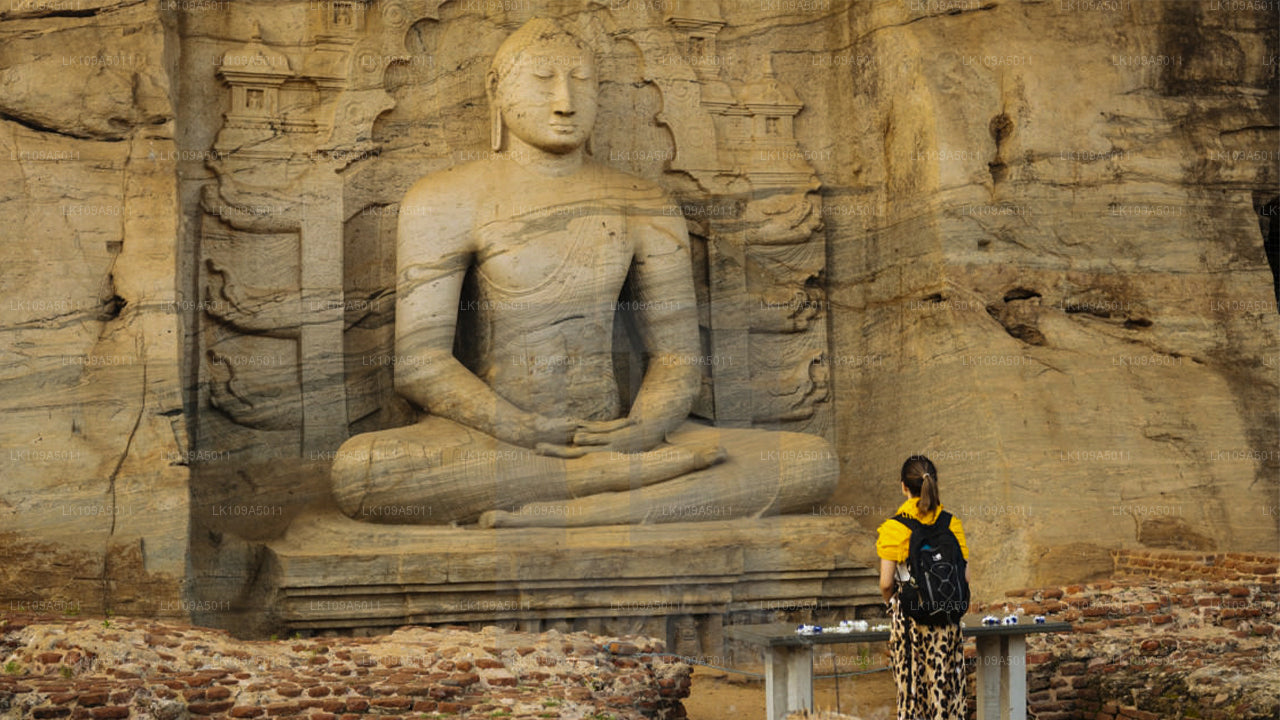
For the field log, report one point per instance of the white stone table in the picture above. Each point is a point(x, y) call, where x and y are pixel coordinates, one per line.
point(1001, 663)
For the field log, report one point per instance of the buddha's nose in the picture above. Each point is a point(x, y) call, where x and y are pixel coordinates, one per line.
point(562, 103)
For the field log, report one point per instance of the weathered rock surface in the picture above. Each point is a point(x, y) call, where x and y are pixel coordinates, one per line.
point(1047, 269)
point(136, 668)
point(93, 502)
point(1042, 259)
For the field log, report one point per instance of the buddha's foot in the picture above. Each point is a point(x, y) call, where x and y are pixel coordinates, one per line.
point(616, 472)
point(608, 472)
point(497, 518)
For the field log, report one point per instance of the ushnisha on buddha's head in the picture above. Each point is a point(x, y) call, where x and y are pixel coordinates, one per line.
point(542, 90)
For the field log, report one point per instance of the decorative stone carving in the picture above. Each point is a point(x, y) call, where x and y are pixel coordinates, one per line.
point(254, 74)
point(272, 227)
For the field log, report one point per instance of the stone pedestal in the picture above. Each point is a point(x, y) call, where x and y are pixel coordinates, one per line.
point(678, 581)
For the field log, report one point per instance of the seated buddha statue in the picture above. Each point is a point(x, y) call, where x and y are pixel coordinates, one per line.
point(532, 430)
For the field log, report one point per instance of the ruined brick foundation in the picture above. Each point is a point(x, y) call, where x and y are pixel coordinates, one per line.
point(1172, 635)
point(127, 668)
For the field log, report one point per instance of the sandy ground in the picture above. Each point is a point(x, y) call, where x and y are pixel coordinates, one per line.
point(718, 695)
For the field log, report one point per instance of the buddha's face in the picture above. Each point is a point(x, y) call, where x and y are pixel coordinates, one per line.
point(548, 97)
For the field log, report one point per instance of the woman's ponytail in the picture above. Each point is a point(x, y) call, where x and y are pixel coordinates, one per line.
point(928, 494)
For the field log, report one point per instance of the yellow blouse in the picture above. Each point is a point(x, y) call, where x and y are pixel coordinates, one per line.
point(894, 542)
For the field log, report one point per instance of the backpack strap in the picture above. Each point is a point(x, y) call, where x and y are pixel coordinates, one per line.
point(943, 520)
point(911, 523)
point(916, 529)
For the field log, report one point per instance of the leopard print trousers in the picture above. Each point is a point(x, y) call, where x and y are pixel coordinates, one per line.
point(928, 668)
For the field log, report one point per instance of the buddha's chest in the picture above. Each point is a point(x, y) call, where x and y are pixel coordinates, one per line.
point(579, 251)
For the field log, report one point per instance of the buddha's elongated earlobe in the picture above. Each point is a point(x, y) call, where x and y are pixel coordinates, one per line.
point(495, 128)
point(495, 112)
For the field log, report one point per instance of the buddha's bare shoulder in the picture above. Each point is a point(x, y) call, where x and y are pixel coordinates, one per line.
point(451, 191)
point(642, 191)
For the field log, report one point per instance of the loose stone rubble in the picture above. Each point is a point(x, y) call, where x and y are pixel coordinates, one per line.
point(132, 668)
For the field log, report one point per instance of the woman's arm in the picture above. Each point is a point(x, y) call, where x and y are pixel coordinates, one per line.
point(887, 583)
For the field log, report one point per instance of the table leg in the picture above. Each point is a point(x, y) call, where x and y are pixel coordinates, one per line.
point(1014, 676)
point(1002, 677)
point(788, 680)
point(988, 677)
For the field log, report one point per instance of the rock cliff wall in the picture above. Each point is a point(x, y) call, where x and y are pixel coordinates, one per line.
point(1047, 228)
point(93, 495)
point(1048, 270)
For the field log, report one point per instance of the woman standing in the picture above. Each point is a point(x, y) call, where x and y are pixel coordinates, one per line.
point(928, 661)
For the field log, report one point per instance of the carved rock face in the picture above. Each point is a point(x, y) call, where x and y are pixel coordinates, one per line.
point(548, 97)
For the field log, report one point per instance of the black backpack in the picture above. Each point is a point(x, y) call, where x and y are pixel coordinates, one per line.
point(937, 593)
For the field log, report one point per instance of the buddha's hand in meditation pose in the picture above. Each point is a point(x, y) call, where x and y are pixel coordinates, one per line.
point(557, 436)
point(531, 430)
point(575, 438)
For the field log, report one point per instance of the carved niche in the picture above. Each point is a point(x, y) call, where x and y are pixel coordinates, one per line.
point(323, 135)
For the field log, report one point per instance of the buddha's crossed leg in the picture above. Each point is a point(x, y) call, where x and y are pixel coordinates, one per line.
point(437, 472)
point(765, 473)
